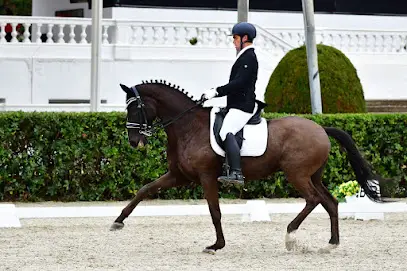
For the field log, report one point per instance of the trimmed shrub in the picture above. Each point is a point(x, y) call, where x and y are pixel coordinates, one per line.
point(288, 89)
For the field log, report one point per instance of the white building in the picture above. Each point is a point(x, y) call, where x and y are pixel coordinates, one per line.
point(153, 43)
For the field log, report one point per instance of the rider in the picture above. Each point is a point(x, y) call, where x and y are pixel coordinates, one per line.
point(240, 92)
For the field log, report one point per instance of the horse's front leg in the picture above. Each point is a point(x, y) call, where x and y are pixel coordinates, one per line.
point(210, 187)
point(166, 181)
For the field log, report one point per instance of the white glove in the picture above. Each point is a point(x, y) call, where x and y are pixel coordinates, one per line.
point(210, 93)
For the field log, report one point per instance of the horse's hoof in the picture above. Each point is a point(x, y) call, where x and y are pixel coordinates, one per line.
point(117, 226)
point(209, 251)
point(290, 241)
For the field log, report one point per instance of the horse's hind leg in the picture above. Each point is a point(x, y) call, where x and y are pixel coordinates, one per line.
point(312, 198)
point(330, 204)
point(164, 182)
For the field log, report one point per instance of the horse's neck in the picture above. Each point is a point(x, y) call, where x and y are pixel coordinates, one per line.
point(188, 125)
point(183, 122)
point(171, 107)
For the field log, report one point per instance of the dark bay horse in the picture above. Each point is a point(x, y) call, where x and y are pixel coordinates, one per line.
point(297, 146)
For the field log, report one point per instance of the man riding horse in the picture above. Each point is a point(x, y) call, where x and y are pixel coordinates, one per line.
point(241, 97)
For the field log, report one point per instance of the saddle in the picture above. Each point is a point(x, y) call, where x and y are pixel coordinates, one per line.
point(220, 116)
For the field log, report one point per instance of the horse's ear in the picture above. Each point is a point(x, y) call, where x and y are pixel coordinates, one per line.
point(126, 89)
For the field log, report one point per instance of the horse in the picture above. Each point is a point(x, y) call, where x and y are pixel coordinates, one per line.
point(297, 146)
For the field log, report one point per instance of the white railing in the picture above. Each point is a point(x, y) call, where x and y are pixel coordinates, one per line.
point(370, 41)
point(50, 30)
point(126, 32)
point(78, 30)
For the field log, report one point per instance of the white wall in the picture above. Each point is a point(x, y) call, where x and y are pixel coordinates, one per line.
point(38, 75)
point(34, 74)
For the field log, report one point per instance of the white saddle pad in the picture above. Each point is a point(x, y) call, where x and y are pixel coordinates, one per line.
point(255, 137)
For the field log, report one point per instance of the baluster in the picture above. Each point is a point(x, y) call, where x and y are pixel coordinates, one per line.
point(105, 35)
point(228, 39)
point(199, 36)
point(393, 43)
point(349, 45)
point(319, 37)
point(300, 39)
point(134, 34)
point(61, 33)
point(176, 35)
point(187, 37)
point(341, 41)
point(367, 42)
point(289, 37)
point(26, 33)
point(14, 33)
point(260, 41)
point(330, 39)
point(218, 38)
point(357, 42)
point(375, 43)
point(210, 38)
point(72, 34)
point(283, 36)
point(39, 33)
point(165, 35)
point(401, 45)
point(144, 35)
point(383, 43)
point(155, 34)
point(386, 43)
point(50, 34)
point(3, 33)
point(83, 34)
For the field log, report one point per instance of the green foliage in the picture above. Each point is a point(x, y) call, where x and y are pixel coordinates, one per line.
point(288, 89)
point(16, 7)
point(193, 41)
point(345, 189)
point(86, 156)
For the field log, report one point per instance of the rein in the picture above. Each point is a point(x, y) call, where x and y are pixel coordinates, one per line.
point(146, 129)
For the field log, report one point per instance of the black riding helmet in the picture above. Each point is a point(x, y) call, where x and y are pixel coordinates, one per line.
point(244, 28)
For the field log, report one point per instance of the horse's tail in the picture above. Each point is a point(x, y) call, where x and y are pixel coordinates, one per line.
point(362, 169)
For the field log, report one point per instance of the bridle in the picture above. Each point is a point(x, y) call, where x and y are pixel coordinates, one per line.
point(143, 126)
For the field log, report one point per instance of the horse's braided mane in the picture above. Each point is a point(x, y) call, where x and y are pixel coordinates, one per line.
point(173, 86)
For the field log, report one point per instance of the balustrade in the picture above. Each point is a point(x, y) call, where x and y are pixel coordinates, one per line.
point(77, 31)
point(367, 41)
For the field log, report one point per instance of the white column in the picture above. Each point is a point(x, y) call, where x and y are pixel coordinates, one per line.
point(97, 15)
point(312, 56)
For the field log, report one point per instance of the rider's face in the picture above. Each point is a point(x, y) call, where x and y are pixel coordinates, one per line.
point(236, 42)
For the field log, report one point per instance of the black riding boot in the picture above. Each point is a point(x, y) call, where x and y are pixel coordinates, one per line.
point(233, 158)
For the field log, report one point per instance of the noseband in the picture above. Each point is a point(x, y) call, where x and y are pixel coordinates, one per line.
point(143, 127)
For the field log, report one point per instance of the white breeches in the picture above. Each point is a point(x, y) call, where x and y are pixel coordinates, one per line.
point(234, 121)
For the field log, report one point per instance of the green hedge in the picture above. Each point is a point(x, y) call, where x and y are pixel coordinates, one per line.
point(86, 156)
